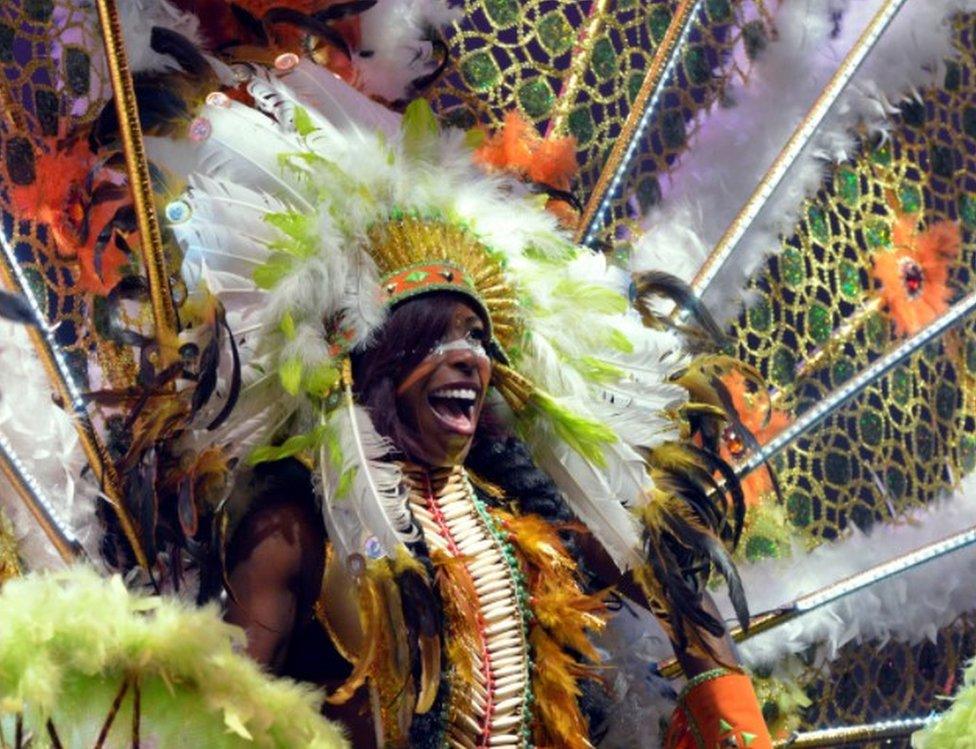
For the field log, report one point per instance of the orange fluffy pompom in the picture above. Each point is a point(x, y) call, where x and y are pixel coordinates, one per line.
point(913, 275)
point(518, 149)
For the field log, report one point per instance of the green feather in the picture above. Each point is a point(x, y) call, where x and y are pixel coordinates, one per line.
point(584, 435)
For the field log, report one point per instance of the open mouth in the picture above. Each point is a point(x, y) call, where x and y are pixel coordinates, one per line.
point(454, 407)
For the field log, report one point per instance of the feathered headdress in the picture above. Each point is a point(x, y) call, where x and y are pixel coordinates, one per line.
point(307, 227)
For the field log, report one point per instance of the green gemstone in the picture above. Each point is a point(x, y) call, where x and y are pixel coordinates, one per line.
point(792, 266)
point(416, 276)
point(946, 399)
point(696, 65)
point(6, 43)
point(848, 186)
point(872, 427)
point(754, 38)
point(634, 84)
point(818, 320)
point(760, 316)
point(581, 125)
point(901, 386)
point(536, 97)
point(760, 547)
point(971, 356)
point(658, 21)
point(969, 121)
point(924, 442)
point(842, 371)
point(895, 482)
point(967, 452)
point(502, 12)
point(878, 233)
point(480, 71)
point(39, 290)
point(910, 198)
point(718, 10)
point(818, 223)
point(850, 279)
point(800, 509)
point(648, 192)
point(604, 59)
point(39, 10)
point(782, 367)
point(837, 468)
point(555, 33)
point(882, 155)
point(967, 210)
point(626, 4)
point(877, 330)
point(673, 128)
point(953, 76)
point(942, 159)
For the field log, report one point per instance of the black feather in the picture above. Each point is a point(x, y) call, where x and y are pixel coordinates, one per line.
point(16, 308)
point(343, 10)
point(235, 380)
point(732, 485)
point(207, 379)
point(664, 284)
point(160, 110)
point(168, 42)
point(140, 500)
point(310, 24)
point(186, 508)
point(420, 607)
point(251, 24)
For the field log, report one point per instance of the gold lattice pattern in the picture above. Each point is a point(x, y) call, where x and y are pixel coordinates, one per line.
point(910, 434)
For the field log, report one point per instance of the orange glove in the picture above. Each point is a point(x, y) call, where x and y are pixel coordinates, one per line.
point(718, 710)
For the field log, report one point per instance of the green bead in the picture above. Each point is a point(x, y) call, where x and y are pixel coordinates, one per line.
point(718, 10)
point(818, 223)
point(580, 124)
point(604, 59)
point(696, 64)
point(850, 279)
point(848, 186)
point(877, 330)
point(946, 400)
point(837, 469)
point(554, 32)
point(480, 71)
point(536, 97)
point(882, 155)
point(924, 442)
point(872, 427)
point(901, 386)
point(910, 198)
point(760, 316)
point(967, 210)
point(878, 233)
point(658, 21)
point(842, 371)
point(800, 509)
point(895, 482)
point(818, 320)
point(792, 266)
point(634, 83)
point(502, 12)
point(760, 547)
point(782, 367)
point(673, 128)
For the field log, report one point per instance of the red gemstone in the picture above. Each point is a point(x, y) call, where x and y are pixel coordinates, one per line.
point(912, 276)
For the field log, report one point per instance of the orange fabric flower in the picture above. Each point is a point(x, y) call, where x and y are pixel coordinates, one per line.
point(61, 197)
point(762, 421)
point(913, 274)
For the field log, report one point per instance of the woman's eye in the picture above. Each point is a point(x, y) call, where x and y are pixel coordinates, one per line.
point(477, 334)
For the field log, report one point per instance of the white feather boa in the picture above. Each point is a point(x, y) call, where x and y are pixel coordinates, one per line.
point(736, 144)
point(44, 438)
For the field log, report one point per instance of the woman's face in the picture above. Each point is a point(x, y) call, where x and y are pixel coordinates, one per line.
point(441, 399)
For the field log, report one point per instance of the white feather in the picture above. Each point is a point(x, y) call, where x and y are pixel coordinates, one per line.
point(138, 17)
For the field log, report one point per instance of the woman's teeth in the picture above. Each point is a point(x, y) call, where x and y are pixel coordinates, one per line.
point(457, 393)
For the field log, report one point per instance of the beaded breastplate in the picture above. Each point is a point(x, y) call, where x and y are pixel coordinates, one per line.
point(494, 707)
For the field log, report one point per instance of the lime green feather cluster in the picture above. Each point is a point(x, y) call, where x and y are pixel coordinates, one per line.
point(70, 640)
point(956, 727)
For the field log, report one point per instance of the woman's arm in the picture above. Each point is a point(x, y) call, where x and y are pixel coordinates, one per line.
point(274, 568)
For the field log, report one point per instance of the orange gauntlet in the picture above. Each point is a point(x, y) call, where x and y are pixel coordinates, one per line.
point(718, 710)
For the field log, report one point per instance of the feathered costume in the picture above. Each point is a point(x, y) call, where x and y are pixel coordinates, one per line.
point(309, 212)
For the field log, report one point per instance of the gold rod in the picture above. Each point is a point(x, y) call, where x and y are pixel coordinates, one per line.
point(848, 735)
point(798, 140)
point(137, 166)
point(98, 457)
point(624, 145)
point(843, 588)
point(61, 539)
point(577, 68)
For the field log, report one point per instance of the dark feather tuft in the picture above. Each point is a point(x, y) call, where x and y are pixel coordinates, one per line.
point(16, 308)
